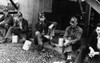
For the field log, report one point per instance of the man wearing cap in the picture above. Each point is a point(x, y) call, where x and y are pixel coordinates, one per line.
point(6, 20)
point(72, 35)
point(20, 26)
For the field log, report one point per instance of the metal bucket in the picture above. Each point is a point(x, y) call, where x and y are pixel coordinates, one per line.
point(27, 45)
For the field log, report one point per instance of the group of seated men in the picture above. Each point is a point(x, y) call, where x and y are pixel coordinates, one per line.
point(44, 29)
point(73, 36)
point(13, 25)
point(45, 32)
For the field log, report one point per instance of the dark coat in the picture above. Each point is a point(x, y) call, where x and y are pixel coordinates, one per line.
point(42, 27)
point(24, 25)
point(93, 44)
point(93, 41)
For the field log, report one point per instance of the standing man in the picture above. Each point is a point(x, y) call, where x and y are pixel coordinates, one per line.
point(72, 35)
point(6, 20)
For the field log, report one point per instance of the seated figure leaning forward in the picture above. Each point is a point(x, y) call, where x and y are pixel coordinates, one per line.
point(94, 45)
point(72, 35)
point(6, 20)
point(20, 27)
point(44, 30)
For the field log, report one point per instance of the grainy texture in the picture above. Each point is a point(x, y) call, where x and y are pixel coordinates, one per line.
point(13, 53)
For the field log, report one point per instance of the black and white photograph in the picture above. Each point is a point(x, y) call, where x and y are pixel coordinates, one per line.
point(49, 31)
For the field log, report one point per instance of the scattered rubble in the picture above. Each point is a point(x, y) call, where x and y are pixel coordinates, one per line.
point(13, 53)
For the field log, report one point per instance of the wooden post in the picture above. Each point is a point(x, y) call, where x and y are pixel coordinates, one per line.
point(94, 4)
point(81, 56)
point(87, 20)
point(45, 5)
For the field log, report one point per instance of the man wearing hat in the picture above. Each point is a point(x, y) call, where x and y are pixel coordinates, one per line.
point(20, 27)
point(72, 35)
point(6, 20)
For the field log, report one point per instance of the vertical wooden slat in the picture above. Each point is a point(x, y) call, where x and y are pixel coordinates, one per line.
point(45, 5)
point(87, 20)
point(94, 4)
point(48, 6)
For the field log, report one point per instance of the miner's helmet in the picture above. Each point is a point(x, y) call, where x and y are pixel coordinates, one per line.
point(73, 21)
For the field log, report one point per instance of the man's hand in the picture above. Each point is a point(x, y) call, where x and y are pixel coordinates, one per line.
point(47, 36)
point(92, 52)
point(2, 22)
point(67, 42)
point(51, 26)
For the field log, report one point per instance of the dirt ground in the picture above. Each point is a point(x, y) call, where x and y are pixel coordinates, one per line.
point(13, 53)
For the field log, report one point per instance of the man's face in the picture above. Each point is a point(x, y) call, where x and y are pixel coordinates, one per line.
point(98, 30)
point(42, 19)
point(16, 19)
point(20, 18)
point(73, 22)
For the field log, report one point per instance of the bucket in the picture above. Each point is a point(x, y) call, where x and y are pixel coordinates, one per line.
point(60, 43)
point(14, 39)
point(27, 45)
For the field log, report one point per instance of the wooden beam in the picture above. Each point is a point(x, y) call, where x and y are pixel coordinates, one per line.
point(94, 4)
point(87, 20)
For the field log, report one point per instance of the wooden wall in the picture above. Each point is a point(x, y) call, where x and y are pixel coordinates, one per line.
point(29, 8)
point(45, 5)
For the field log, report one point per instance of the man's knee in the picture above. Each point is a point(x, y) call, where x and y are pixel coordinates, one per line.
point(12, 29)
point(37, 33)
point(76, 46)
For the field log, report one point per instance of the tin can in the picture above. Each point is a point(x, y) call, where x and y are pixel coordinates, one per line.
point(27, 45)
point(14, 39)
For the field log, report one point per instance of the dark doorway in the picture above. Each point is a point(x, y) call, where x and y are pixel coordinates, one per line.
point(63, 10)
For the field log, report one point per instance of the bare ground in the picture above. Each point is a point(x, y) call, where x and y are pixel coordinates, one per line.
point(13, 53)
